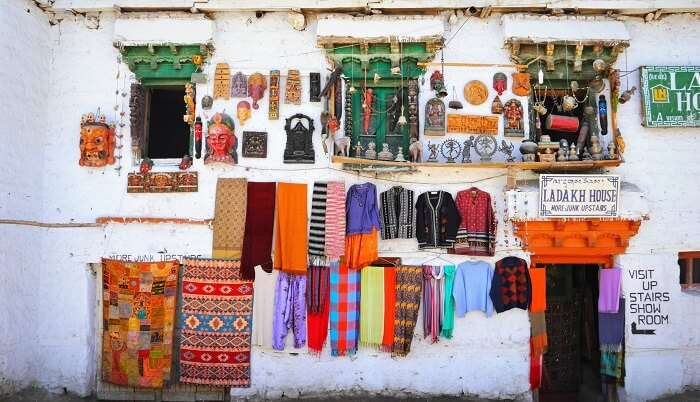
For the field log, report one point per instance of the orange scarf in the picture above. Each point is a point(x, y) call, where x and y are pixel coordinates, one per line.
point(389, 308)
point(291, 230)
point(538, 281)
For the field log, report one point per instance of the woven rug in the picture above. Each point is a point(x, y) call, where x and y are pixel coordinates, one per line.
point(216, 319)
point(139, 313)
point(229, 218)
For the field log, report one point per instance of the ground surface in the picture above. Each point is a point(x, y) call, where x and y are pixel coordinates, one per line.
point(34, 395)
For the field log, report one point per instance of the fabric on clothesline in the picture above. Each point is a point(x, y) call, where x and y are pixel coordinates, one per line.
point(229, 218)
point(361, 208)
point(372, 307)
point(344, 309)
point(216, 318)
point(290, 310)
point(335, 220)
point(134, 353)
point(259, 226)
point(397, 213)
point(263, 306)
point(290, 234)
point(389, 308)
point(611, 364)
point(510, 286)
point(611, 328)
point(609, 294)
point(318, 307)
point(317, 222)
point(477, 229)
point(535, 371)
point(538, 333)
point(408, 295)
point(361, 249)
point(471, 289)
point(448, 321)
point(538, 279)
point(433, 286)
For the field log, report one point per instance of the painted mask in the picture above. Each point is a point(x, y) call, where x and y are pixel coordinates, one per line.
point(500, 83)
point(256, 88)
point(221, 140)
point(243, 111)
point(97, 141)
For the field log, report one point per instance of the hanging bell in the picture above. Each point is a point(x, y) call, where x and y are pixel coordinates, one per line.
point(441, 93)
point(627, 95)
point(540, 76)
point(568, 103)
point(376, 78)
point(352, 89)
point(574, 86)
point(402, 119)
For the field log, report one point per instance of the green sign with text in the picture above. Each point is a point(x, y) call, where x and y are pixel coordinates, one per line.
point(671, 96)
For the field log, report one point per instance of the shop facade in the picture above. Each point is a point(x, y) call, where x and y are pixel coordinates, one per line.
point(63, 218)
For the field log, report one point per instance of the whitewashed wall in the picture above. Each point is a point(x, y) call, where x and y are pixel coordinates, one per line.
point(483, 351)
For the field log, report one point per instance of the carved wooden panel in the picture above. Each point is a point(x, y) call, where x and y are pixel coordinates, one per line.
point(137, 117)
point(222, 81)
point(274, 105)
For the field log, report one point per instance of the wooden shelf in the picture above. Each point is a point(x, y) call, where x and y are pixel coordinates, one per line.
point(537, 166)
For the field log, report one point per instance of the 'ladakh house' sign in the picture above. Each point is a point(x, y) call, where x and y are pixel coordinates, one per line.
point(460, 123)
point(671, 96)
point(570, 195)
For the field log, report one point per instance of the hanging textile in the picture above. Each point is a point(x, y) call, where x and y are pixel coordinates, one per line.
point(345, 309)
point(611, 329)
point(510, 286)
point(259, 224)
point(290, 234)
point(477, 229)
point(389, 308)
point(538, 280)
point(361, 249)
point(317, 302)
point(317, 222)
point(408, 295)
point(216, 318)
point(535, 371)
point(335, 220)
point(433, 302)
point(229, 218)
point(263, 306)
point(138, 314)
point(290, 310)
point(372, 307)
point(611, 364)
point(471, 288)
point(538, 333)
point(437, 220)
point(397, 213)
point(609, 294)
point(448, 321)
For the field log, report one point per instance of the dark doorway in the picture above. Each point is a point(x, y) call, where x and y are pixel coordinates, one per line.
point(571, 366)
point(168, 134)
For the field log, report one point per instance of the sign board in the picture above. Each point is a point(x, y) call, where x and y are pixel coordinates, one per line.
point(461, 123)
point(572, 195)
point(671, 96)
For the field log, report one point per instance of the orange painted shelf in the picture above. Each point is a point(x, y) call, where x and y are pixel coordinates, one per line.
point(571, 166)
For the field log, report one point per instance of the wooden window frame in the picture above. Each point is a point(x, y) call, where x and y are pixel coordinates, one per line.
point(689, 256)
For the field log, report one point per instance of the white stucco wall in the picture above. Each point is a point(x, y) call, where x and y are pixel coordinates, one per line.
point(483, 351)
point(24, 43)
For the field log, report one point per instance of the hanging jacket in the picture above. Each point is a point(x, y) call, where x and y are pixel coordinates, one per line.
point(477, 230)
point(397, 213)
point(437, 220)
point(510, 286)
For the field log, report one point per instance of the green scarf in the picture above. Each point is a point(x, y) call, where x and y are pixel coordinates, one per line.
point(372, 307)
point(448, 319)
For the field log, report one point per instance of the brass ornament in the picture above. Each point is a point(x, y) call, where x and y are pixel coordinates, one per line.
point(476, 92)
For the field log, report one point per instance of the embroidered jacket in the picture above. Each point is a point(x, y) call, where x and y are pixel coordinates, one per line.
point(510, 286)
point(477, 231)
point(361, 209)
point(437, 220)
point(397, 213)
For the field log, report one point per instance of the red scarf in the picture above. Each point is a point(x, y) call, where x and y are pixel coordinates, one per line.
point(389, 306)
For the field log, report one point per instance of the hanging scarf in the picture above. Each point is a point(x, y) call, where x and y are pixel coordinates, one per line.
point(290, 231)
point(448, 321)
point(538, 284)
point(335, 220)
point(538, 334)
point(345, 309)
point(609, 294)
point(408, 295)
point(372, 307)
point(229, 218)
point(433, 302)
point(611, 329)
point(259, 223)
point(317, 223)
point(317, 300)
point(389, 308)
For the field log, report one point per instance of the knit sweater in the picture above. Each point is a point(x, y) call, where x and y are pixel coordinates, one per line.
point(510, 286)
point(471, 288)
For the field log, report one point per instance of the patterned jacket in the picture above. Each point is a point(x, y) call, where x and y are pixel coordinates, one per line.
point(437, 220)
point(397, 213)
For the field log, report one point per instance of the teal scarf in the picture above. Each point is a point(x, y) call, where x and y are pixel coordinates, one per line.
point(448, 320)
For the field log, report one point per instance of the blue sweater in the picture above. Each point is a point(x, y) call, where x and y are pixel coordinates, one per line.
point(471, 288)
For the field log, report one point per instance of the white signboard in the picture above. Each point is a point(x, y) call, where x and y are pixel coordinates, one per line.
point(579, 195)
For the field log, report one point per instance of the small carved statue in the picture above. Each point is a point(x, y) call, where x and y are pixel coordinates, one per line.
point(243, 111)
point(437, 83)
point(434, 117)
point(399, 155)
point(573, 152)
point(385, 154)
point(433, 148)
point(415, 150)
point(342, 146)
point(97, 141)
point(562, 152)
point(612, 152)
point(189, 104)
point(507, 149)
point(358, 149)
point(595, 148)
point(300, 147)
point(185, 163)
point(513, 114)
point(371, 152)
point(146, 165)
point(239, 85)
point(367, 99)
point(467, 150)
point(221, 140)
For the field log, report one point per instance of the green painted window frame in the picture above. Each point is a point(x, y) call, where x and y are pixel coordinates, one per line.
point(379, 124)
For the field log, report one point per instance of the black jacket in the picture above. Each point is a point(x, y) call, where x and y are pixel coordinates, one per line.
point(437, 220)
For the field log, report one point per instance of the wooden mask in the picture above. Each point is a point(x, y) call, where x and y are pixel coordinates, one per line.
point(97, 141)
point(257, 84)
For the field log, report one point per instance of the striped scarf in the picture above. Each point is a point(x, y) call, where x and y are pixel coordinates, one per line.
point(335, 220)
point(432, 301)
point(317, 303)
point(372, 307)
point(317, 223)
point(345, 309)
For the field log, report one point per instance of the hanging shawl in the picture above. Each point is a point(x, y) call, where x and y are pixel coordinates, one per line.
point(317, 223)
point(408, 295)
point(432, 301)
point(609, 294)
point(611, 329)
point(372, 307)
point(389, 308)
point(317, 301)
point(448, 321)
point(335, 220)
point(345, 309)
